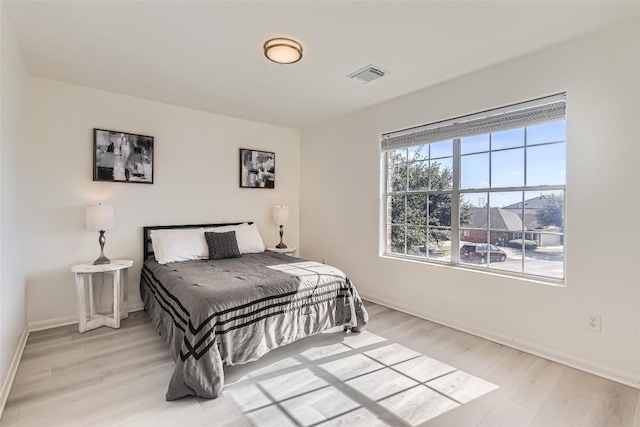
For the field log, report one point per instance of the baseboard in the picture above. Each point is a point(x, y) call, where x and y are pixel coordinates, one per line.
point(617, 375)
point(40, 325)
point(136, 307)
point(8, 382)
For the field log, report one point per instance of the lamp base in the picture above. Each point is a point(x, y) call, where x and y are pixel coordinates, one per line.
point(281, 245)
point(102, 260)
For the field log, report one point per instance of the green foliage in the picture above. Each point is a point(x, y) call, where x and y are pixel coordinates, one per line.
point(421, 212)
point(517, 243)
point(552, 211)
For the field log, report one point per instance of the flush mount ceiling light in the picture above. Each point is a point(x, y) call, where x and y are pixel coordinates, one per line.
point(283, 51)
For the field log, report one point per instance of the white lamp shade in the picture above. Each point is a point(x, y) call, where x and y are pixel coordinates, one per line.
point(280, 215)
point(100, 217)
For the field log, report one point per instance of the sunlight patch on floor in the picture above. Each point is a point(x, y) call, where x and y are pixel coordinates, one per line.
point(355, 380)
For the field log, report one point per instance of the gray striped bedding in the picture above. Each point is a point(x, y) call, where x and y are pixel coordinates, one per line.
point(232, 311)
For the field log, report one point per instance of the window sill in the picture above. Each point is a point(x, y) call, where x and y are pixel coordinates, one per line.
point(549, 281)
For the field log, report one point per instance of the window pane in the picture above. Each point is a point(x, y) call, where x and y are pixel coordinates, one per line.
point(396, 209)
point(506, 200)
point(441, 174)
point(474, 213)
point(544, 209)
point(397, 235)
point(416, 241)
point(419, 175)
point(544, 235)
point(547, 132)
point(507, 168)
point(507, 139)
point(396, 170)
point(420, 152)
point(439, 244)
point(474, 171)
point(506, 225)
point(417, 209)
point(398, 156)
point(474, 144)
point(546, 165)
point(544, 253)
point(440, 210)
point(505, 212)
point(397, 180)
point(473, 210)
point(502, 255)
point(441, 149)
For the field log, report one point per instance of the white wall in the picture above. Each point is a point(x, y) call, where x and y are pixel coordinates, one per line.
point(196, 174)
point(340, 206)
point(12, 205)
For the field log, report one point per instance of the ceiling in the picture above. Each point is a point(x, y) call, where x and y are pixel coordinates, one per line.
point(208, 55)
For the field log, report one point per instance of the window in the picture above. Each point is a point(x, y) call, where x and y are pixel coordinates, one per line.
point(483, 191)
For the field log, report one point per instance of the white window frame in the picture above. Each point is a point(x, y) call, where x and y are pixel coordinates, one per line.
point(456, 192)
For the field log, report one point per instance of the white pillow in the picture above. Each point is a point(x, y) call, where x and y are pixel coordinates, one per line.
point(247, 236)
point(179, 245)
point(226, 228)
point(249, 240)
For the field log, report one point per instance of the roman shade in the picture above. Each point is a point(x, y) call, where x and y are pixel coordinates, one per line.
point(530, 113)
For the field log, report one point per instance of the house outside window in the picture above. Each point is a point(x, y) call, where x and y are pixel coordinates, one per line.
point(484, 191)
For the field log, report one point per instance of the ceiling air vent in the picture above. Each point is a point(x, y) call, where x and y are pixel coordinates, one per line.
point(368, 73)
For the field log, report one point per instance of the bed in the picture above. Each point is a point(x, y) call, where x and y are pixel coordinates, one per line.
point(232, 311)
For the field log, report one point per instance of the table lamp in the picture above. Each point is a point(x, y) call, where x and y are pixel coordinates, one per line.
point(281, 217)
point(100, 218)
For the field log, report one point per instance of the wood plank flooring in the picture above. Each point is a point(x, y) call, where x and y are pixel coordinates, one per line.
point(402, 371)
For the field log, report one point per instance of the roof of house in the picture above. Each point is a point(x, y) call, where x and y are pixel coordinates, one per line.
point(535, 203)
point(503, 219)
point(531, 219)
point(500, 219)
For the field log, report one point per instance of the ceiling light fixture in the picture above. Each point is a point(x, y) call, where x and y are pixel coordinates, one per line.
point(283, 51)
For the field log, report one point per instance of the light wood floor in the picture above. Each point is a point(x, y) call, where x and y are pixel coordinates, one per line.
point(402, 371)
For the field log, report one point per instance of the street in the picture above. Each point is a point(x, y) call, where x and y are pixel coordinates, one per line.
point(540, 267)
point(539, 263)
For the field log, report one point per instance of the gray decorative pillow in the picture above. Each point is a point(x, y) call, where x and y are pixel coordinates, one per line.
point(222, 245)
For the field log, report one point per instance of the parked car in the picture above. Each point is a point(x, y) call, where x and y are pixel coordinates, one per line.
point(477, 252)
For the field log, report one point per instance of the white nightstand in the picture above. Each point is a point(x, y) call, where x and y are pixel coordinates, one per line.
point(118, 269)
point(289, 251)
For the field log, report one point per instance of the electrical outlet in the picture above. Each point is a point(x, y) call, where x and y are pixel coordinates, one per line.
point(593, 322)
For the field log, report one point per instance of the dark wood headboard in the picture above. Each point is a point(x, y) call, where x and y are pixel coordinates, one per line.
point(146, 233)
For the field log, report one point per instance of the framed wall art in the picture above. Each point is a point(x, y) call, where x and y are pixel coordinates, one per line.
point(257, 169)
point(122, 157)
